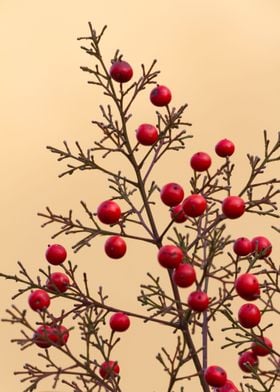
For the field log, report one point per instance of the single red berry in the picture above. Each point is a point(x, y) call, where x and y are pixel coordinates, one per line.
point(41, 336)
point(247, 360)
point(198, 301)
point(262, 246)
point(121, 71)
point(109, 369)
point(58, 282)
point(59, 335)
point(109, 212)
point(178, 214)
point(56, 254)
point(200, 161)
point(228, 387)
point(115, 247)
point(194, 205)
point(233, 207)
point(249, 315)
point(262, 347)
point(184, 275)
point(247, 287)
point(147, 134)
point(171, 194)
point(119, 322)
point(160, 96)
point(242, 246)
point(39, 300)
point(215, 376)
point(170, 256)
point(224, 148)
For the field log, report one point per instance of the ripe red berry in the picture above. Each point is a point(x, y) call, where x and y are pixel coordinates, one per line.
point(242, 246)
point(171, 194)
point(184, 275)
point(160, 96)
point(247, 287)
point(109, 212)
point(233, 207)
point(41, 336)
point(178, 214)
point(147, 134)
point(249, 315)
point(109, 369)
point(198, 301)
point(228, 387)
point(261, 245)
point(194, 205)
point(215, 376)
point(170, 256)
point(115, 247)
point(56, 254)
point(247, 360)
point(121, 71)
point(58, 282)
point(262, 348)
point(200, 161)
point(59, 335)
point(119, 322)
point(224, 148)
point(39, 300)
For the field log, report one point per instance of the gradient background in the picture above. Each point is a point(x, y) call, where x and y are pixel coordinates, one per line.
point(222, 57)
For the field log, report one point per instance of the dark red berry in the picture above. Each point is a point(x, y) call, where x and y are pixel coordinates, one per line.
point(39, 300)
point(198, 301)
point(178, 214)
point(247, 361)
point(233, 207)
point(242, 246)
point(262, 347)
point(56, 254)
point(172, 194)
point(59, 335)
point(58, 282)
point(228, 387)
point(249, 315)
point(215, 376)
point(247, 287)
point(160, 96)
point(224, 148)
point(147, 134)
point(121, 71)
point(41, 336)
point(109, 369)
point(184, 275)
point(115, 247)
point(170, 256)
point(109, 212)
point(261, 246)
point(119, 322)
point(200, 161)
point(194, 205)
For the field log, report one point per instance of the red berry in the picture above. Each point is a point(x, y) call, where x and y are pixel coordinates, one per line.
point(215, 376)
point(115, 247)
point(160, 96)
point(200, 161)
point(109, 369)
point(233, 207)
point(58, 282)
point(59, 335)
point(261, 245)
point(224, 148)
point(247, 360)
point(119, 322)
point(249, 315)
point(121, 71)
point(247, 287)
point(194, 205)
point(109, 212)
point(198, 301)
point(147, 134)
point(41, 336)
point(172, 194)
point(178, 214)
point(262, 348)
point(56, 254)
point(170, 256)
point(39, 300)
point(184, 275)
point(242, 246)
point(228, 387)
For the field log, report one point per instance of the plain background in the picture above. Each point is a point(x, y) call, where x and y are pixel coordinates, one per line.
point(220, 56)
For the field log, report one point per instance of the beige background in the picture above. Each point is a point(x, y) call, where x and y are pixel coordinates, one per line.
point(222, 57)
